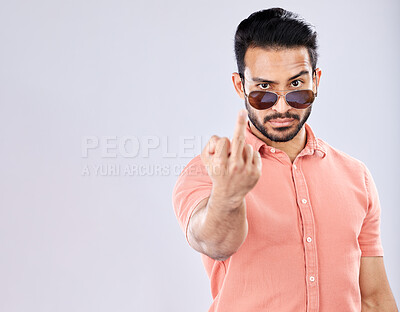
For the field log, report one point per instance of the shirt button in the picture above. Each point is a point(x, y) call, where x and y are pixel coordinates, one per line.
point(272, 150)
point(312, 278)
point(304, 201)
point(294, 166)
point(309, 239)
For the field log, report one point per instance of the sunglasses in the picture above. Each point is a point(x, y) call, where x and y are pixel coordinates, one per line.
point(298, 99)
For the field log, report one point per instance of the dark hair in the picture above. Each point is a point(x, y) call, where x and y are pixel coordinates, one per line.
point(275, 28)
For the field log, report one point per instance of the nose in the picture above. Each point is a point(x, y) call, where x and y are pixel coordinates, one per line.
point(281, 106)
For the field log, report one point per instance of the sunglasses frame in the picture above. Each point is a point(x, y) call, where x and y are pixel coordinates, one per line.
point(279, 95)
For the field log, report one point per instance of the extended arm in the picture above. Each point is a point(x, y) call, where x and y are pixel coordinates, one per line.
point(218, 225)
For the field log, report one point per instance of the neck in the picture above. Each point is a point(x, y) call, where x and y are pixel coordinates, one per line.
point(292, 148)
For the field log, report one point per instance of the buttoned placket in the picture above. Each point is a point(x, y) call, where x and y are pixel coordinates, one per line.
point(310, 248)
point(308, 227)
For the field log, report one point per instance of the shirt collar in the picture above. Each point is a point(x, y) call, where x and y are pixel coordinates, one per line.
point(313, 143)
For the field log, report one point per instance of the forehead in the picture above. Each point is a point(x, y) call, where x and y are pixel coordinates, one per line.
point(276, 63)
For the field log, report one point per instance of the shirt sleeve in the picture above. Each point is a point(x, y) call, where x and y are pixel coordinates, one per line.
point(369, 238)
point(191, 187)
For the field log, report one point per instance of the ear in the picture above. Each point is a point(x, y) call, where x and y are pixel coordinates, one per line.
point(237, 84)
point(317, 78)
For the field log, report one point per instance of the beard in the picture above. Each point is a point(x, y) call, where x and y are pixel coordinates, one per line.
point(280, 134)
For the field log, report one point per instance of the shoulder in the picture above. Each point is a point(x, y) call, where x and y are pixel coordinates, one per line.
point(194, 165)
point(193, 175)
point(341, 158)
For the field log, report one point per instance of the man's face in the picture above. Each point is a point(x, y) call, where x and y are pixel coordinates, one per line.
point(277, 68)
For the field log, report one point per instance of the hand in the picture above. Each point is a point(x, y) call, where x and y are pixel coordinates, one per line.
point(234, 167)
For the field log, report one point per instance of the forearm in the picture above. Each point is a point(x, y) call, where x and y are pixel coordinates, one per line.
point(386, 304)
point(221, 226)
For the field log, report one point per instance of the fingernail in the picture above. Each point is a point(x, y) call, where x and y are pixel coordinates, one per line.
point(243, 112)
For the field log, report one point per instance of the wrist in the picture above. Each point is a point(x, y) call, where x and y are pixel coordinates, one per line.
point(222, 198)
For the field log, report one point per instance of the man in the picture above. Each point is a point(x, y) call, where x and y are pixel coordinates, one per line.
point(283, 220)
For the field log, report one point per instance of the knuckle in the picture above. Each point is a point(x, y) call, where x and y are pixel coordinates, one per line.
point(249, 149)
point(213, 140)
point(224, 140)
point(219, 161)
point(218, 149)
point(257, 172)
point(206, 150)
point(240, 140)
point(249, 171)
point(236, 166)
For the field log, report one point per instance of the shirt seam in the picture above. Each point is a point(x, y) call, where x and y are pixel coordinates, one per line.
point(366, 186)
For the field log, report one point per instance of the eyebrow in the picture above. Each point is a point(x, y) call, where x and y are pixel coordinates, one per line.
point(303, 72)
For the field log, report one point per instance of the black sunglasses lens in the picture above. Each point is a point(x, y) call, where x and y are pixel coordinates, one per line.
point(300, 99)
point(262, 99)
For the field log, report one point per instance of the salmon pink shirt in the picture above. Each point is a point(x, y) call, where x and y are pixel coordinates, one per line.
point(309, 222)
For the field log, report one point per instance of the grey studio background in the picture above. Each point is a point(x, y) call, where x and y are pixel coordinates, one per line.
point(80, 80)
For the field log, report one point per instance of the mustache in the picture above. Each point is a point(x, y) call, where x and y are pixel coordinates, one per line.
point(276, 116)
